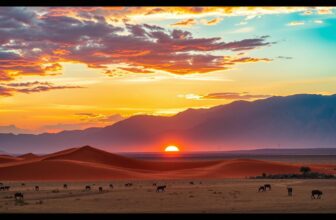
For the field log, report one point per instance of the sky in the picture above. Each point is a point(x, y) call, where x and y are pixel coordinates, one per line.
point(66, 68)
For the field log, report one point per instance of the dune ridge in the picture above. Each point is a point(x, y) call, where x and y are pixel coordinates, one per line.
point(88, 163)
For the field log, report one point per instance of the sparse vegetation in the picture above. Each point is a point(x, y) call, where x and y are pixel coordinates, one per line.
point(309, 175)
point(305, 170)
point(21, 202)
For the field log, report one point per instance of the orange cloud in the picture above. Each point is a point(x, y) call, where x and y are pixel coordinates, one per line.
point(324, 11)
point(212, 21)
point(187, 23)
point(224, 95)
point(233, 95)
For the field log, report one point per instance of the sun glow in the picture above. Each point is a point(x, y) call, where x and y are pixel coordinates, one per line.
point(172, 148)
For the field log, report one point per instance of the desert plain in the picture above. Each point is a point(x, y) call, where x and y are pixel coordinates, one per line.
point(208, 186)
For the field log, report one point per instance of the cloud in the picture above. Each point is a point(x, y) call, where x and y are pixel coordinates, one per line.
point(212, 21)
point(324, 11)
point(116, 14)
point(284, 57)
point(35, 44)
point(243, 30)
point(94, 118)
point(296, 23)
point(190, 96)
point(318, 21)
point(233, 95)
point(308, 12)
point(136, 70)
point(30, 87)
point(185, 23)
point(224, 95)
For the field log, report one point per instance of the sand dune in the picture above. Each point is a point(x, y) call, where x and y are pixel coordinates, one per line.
point(29, 156)
point(8, 159)
point(87, 163)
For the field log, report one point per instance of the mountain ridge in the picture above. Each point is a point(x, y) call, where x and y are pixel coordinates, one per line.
point(296, 121)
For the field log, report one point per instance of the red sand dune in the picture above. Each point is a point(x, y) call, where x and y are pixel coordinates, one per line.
point(87, 163)
point(7, 159)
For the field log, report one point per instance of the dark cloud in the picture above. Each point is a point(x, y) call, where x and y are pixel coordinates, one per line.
point(30, 87)
point(284, 57)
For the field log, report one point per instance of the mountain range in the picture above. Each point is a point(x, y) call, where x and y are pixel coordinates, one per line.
point(296, 121)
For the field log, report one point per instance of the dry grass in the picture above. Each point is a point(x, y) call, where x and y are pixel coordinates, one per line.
point(213, 196)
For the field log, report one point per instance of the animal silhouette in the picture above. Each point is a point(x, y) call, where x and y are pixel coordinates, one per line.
point(267, 186)
point(18, 196)
point(154, 184)
point(37, 188)
point(100, 189)
point(290, 191)
point(261, 188)
point(111, 186)
point(88, 188)
point(65, 186)
point(3, 188)
point(128, 184)
point(191, 183)
point(160, 188)
point(316, 192)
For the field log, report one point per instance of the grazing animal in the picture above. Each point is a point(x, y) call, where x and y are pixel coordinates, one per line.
point(4, 188)
point(100, 189)
point(111, 186)
point(65, 186)
point(18, 196)
point(37, 188)
point(290, 191)
point(316, 192)
point(160, 188)
point(191, 183)
point(88, 188)
point(154, 184)
point(267, 186)
point(261, 188)
point(23, 184)
point(128, 184)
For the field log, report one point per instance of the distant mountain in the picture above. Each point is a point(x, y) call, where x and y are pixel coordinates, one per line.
point(297, 121)
point(13, 129)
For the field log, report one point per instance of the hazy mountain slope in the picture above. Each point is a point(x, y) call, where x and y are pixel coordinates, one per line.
point(298, 121)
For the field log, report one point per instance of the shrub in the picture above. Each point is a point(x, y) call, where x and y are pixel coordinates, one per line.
point(305, 170)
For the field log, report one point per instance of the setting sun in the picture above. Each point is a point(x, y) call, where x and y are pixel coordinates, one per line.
point(172, 148)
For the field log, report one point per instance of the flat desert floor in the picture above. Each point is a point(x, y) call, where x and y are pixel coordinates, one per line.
point(204, 196)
